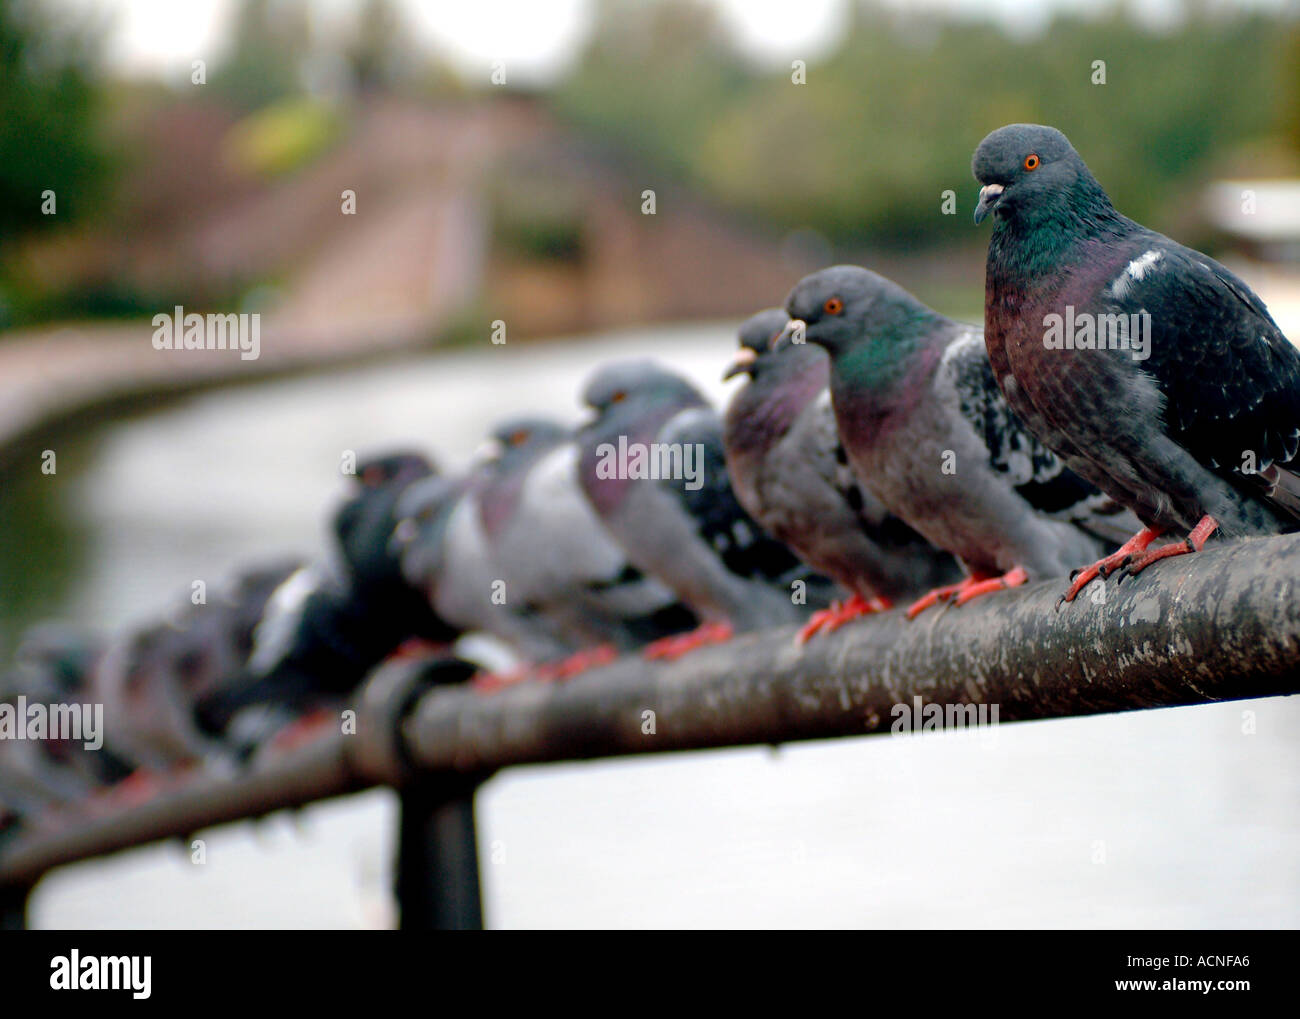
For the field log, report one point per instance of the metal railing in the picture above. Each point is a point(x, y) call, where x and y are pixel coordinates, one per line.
point(1220, 625)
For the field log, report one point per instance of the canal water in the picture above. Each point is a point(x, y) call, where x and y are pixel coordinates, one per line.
point(1179, 818)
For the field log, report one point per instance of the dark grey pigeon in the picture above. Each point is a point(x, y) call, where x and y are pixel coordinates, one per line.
point(1151, 369)
point(652, 465)
point(928, 432)
point(330, 623)
point(789, 469)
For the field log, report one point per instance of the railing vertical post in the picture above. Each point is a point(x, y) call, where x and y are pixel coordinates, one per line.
point(13, 907)
point(437, 856)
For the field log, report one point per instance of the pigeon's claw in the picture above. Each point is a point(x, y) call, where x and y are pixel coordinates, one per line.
point(302, 730)
point(1194, 542)
point(963, 591)
point(668, 649)
point(140, 786)
point(1103, 568)
point(831, 619)
point(581, 661)
point(1012, 578)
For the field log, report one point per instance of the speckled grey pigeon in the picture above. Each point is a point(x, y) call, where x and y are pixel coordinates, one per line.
point(652, 465)
point(789, 469)
point(928, 432)
point(1151, 369)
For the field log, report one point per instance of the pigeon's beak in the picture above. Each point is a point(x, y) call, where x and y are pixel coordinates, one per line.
point(488, 451)
point(990, 194)
point(403, 534)
point(793, 332)
point(741, 363)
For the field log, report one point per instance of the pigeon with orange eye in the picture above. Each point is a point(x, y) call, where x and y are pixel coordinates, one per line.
point(790, 472)
point(1185, 404)
point(926, 430)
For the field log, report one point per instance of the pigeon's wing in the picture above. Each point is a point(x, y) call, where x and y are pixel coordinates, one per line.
point(558, 555)
point(1230, 378)
point(282, 619)
point(704, 494)
point(1015, 453)
point(821, 445)
point(465, 588)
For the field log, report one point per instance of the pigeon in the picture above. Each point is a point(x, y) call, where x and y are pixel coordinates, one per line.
point(653, 467)
point(329, 623)
point(556, 557)
point(445, 544)
point(927, 430)
point(790, 471)
point(50, 670)
point(1151, 369)
point(152, 678)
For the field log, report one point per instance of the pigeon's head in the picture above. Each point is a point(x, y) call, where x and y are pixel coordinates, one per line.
point(62, 652)
point(837, 307)
point(517, 442)
point(757, 334)
point(422, 511)
point(386, 468)
point(628, 394)
point(1026, 170)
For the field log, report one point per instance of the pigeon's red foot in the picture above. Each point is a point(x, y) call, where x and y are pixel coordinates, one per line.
point(491, 682)
point(581, 661)
point(669, 648)
point(138, 787)
point(972, 587)
point(303, 729)
point(417, 647)
point(1105, 567)
point(1194, 542)
point(831, 619)
point(1012, 578)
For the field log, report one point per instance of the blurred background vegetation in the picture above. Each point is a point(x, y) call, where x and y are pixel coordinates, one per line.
point(852, 164)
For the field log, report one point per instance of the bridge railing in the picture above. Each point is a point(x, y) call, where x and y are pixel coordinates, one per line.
point(1220, 625)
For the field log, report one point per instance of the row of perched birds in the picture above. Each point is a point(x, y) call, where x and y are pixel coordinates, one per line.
point(877, 453)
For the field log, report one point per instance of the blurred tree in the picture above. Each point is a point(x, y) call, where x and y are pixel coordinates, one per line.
point(49, 118)
point(268, 47)
point(654, 76)
point(377, 49)
point(863, 151)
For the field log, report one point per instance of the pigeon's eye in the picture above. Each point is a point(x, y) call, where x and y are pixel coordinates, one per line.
point(618, 397)
point(518, 438)
point(833, 306)
point(1031, 161)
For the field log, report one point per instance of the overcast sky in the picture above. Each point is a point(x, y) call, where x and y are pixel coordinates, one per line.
point(537, 37)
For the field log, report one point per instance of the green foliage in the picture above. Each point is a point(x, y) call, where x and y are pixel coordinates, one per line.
point(282, 136)
point(863, 151)
point(48, 118)
point(268, 46)
point(535, 217)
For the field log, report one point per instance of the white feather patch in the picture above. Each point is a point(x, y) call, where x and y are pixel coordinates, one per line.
point(1135, 272)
